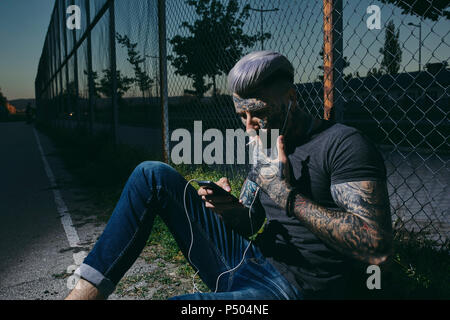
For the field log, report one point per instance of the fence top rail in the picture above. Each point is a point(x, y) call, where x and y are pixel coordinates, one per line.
point(78, 44)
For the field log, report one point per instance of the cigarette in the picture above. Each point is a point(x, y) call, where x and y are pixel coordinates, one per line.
point(251, 141)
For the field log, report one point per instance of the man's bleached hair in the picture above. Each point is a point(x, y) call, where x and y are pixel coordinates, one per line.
point(261, 72)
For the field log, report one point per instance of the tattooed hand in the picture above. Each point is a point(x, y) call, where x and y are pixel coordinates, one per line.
point(271, 172)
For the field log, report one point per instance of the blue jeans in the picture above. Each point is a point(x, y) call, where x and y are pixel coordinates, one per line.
point(156, 188)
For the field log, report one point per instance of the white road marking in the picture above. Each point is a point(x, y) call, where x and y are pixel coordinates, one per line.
point(66, 220)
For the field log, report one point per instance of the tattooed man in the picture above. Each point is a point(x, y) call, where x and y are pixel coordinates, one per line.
point(304, 215)
point(325, 195)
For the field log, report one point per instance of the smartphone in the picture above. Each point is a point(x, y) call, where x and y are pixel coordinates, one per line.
point(217, 190)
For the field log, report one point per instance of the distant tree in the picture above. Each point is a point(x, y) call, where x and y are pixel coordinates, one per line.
point(3, 109)
point(430, 9)
point(374, 72)
point(94, 80)
point(70, 93)
point(392, 53)
point(3, 99)
point(123, 84)
point(4, 112)
point(348, 77)
point(436, 66)
point(103, 86)
point(142, 80)
point(216, 41)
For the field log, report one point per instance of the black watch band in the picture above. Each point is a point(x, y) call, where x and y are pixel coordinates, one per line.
point(290, 202)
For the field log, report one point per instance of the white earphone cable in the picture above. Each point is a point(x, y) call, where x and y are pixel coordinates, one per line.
point(192, 240)
point(248, 246)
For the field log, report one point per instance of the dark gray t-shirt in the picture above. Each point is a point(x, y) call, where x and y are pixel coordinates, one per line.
point(334, 154)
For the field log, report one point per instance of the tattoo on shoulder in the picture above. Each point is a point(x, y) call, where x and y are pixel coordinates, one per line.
point(361, 227)
point(368, 200)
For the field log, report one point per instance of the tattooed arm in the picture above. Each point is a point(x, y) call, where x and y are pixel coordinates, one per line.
point(361, 228)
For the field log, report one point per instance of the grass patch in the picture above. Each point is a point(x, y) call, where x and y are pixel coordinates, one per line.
point(418, 269)
point(421, 267)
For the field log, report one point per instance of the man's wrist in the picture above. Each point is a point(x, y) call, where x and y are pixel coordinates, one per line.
point(279, 193)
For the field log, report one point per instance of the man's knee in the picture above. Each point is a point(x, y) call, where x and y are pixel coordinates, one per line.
point(154, 166)
point(156, 172)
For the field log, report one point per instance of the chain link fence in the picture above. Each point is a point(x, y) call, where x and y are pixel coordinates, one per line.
point(142, 69)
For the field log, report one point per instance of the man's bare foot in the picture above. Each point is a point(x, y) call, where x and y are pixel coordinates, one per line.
point(84, 290)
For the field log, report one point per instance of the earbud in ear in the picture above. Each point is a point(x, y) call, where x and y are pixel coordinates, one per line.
point(286, 117)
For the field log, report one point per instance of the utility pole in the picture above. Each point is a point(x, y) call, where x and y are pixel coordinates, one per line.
point(420, 42)
point(261, 11)
point(163, 79)
point(155, 67)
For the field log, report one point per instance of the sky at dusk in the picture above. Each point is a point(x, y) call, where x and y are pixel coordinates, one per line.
point(23, 25)
point(296, 32)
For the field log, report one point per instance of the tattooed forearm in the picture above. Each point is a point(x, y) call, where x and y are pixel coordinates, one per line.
point(361, 228)
point(248, 192)
point(272, 176)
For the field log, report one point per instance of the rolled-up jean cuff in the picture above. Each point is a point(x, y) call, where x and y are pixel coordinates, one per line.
point(103, 284)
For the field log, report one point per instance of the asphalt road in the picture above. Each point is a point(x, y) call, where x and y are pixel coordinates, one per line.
point(34, 249)
point(48, 224)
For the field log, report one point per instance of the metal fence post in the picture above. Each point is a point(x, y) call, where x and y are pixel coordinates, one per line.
point(75, 74)
point(163, 79)
point(89, 70)
point(60, 24)
point(333, 61)
point(113, 66)
point(66, 67)
point(55, 72)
